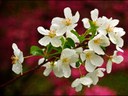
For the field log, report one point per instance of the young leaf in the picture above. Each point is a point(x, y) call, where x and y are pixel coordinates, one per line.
point(70, 42)
point(35, 50)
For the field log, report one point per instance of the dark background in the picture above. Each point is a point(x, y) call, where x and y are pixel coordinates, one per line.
point(19, 20)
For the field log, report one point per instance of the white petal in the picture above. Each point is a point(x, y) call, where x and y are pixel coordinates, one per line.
point(82, 56)
point(57, 20)
point(109, 66)
point(47, 71)
point(95, 48)
point(17, 68)
point(120, 42)
point(95, 80)
point(76, 82)
point(61, 31)
point(74, 58)
point(100, 72)
point(96, 60)
point(72, 36)
point(117, 59)
point(16, 49)
point(58, 72)
point(67, 13)
point(40, 61)
point(112, 37)
point(21, 58)
point(94, 14)
point(56, 42)
point(42, 31)
point(86, 80)
point(89, 67)
point(86, 23)
point(120, 31)
point(119, 49)
point(114, 22)
point(44, 41)
point(78, 88)
point(67, 71)
point(75, 18)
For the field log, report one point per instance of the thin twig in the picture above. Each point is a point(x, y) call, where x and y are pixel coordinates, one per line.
point(19, 76)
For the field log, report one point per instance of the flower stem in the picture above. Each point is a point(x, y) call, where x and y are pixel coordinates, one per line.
point(28, 56)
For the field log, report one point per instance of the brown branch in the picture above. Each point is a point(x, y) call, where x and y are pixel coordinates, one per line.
point(19, 76)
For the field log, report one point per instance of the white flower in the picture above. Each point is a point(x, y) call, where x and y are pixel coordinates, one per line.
point(68, 23)
point(92, 60)
point(68, 57)
point(81, 81)
point(113, 59)
point(96, 74)
point(96, 43)
point(94, 16)
point(51, 66)
point(50, 36)
point(17, 59)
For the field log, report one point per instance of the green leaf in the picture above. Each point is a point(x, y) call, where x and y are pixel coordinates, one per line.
point(69, 43)
point(35, 50)
point(77, 64)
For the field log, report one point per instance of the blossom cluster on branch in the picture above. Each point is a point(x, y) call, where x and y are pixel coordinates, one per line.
point(63, 48)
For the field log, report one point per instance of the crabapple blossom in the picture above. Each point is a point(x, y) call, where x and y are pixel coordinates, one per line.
point(50, 36)
point(92, 60)
point(98, 41)
point(113, 59)
point(95, 75)
point(77, 83)
point(68, 57)
point(17, 59)
point(68, 23)
point(51, 66)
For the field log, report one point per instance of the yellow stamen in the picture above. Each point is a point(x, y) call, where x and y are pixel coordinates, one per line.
point(67, 21)
point(97, 41)
point(65, 60)
point(109, 29)
point(52, 33)
point(14, 59)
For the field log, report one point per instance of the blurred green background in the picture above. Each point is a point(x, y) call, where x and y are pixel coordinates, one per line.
point(19, 20)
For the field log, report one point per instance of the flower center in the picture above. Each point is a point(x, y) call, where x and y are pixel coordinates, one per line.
point(65, 60)
point(88, 55)
point(109, 29)
point(97, 41)
point(52, 33)
point(67, 21)
point(14, 59)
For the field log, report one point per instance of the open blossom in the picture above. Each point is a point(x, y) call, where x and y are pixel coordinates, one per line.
point(68, 57)
point(68, 23)
point(92, 60)
point(17, 59)
point(95, 75)
point(113, 59)
point(50, 36)
point(94, 16)
point(51, 66)
point(87, 81)
point(114, 33)
point(98, 41)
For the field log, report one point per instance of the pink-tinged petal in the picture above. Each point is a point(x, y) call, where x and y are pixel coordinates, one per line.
point(109, 66)
point(89, 67)
point(42, 31)
point(94, 14)
point(86, 23)
point(97, 60)
point(56, 42)
point(76, 18)
point(17, 68)
point(67, 13)
point(44, 41)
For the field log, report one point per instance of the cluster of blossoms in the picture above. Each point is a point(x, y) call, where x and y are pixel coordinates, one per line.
point(64, 49)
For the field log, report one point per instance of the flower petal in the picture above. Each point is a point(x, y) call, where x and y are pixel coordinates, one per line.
point(17, 68)
point(76, 18)
point(44, 41)
point(21, 58)
point(114, 22)
point(78, 88)
point(15, 49)
point(89, 67)
point(109, 66)
point(67, 13)
point(56, 42)
point(40, 61)
point(86, 23)
point(42, 31)
point(57, 20)
point(66, 70)
point(86, 80)
point(117, 59)
point(94, 14)
point(47, 71)
point(76, 82)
